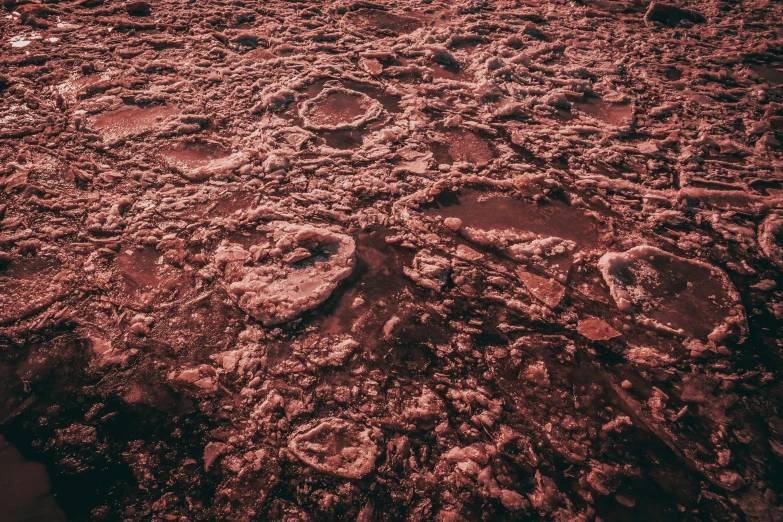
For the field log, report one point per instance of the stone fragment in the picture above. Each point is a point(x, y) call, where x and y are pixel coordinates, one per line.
point(546, 290)
point(596, 329)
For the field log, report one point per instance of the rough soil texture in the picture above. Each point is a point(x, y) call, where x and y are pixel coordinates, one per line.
point(380, 261)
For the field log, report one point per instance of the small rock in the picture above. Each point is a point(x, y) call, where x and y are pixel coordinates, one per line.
point(597, 330)
point(546, 290)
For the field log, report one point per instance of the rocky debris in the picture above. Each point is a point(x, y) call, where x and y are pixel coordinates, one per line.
point(429, 270)
point(674, 294)
point(274, 291)
point(204, 378)
point(336, 446)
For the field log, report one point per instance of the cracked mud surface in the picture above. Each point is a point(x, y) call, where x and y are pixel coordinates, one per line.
point(385, 261)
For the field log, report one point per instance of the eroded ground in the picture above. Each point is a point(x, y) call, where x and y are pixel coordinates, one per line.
point(379, 261)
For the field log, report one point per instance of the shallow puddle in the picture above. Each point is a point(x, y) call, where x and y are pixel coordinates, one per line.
point(342, 108)
point(230, 203)
point(345, 139)
point(390, 102)
point(674, 292)
point(129, 121)
point(611, 113)
point(377, 278)
point(488, 211)
point(448, 72)
point(140, 266)
point(24, 489)
point(696, 298)
point(145, 272)
point(26, 286)
point(771, 75)
point(338, 108)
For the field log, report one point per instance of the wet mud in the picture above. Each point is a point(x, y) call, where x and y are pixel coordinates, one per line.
point(381, 261)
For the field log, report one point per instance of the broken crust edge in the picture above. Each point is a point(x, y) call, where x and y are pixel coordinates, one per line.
point(720, 332)
point(214, 168)
point(249, 291)
point(772, 224)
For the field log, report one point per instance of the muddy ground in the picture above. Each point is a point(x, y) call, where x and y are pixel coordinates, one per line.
point(378, 261)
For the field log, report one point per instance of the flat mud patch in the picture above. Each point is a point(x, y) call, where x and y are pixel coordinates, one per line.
point(488, 211)
point(611, 113)
point(462, 147)
point(384, 23)
point(771, 75)
point(190, 155)
point(29, 285)
point(129, 121)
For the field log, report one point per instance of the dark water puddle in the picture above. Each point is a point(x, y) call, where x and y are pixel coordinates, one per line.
point(370, 290)
point(672, 73)
point(611, 113)
point(488, 211)
point(771, 75)
point(130, 121)
point(690, 297)
point(25, 489)
point(448, 72)
point(462, 146)
point(767, 187)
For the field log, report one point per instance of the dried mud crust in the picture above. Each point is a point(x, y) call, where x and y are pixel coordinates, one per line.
point(274, 293)
point(337, 447)
point(380, 261)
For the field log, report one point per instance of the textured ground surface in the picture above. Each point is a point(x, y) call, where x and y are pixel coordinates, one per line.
point(379, 261)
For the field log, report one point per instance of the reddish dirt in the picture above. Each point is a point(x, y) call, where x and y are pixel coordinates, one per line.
point(380, 261)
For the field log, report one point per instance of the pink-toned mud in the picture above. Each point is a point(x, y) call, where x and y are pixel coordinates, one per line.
point(391, 261)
